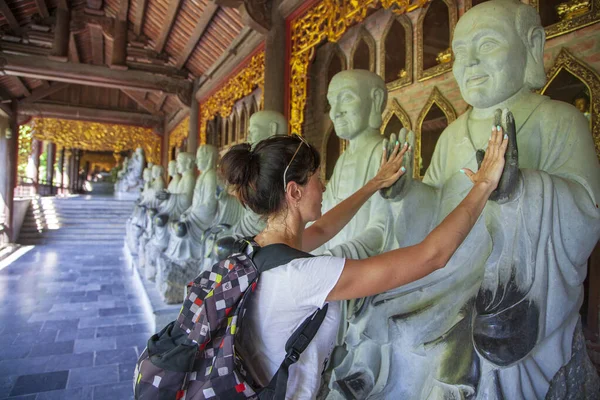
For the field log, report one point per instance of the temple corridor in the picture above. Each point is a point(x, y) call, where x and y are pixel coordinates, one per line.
point(71, 324)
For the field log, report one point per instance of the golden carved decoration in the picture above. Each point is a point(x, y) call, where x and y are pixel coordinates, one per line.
point(179, 133)
point(444, 57)
point(444, 104)
point(364, 35)
point(394, 108)
point(572, 20)
point(328, 20)
point(93, 136)
point(442, 67)
point(404, 78)
point(573, 9)
point(101, 160)
point(589, 77)
point(239, 86)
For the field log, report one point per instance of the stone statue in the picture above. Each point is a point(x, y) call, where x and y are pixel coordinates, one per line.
point(173, 205)
point(137, 222)
point(501, 320)
point(135, 167)
point(174, 174)
point(182, 259)
point(119, 184)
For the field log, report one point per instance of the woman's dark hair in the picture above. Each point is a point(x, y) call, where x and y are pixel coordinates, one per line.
point(256, 176)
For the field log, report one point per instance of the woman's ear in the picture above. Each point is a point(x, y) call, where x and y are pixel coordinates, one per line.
point(294, 192)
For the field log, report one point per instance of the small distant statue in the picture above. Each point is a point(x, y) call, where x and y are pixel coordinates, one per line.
point(501, 320)
point(130, 179)
point(137, 222)
point(582, 104)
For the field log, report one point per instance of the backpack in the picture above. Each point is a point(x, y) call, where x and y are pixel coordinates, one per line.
point(194, 357)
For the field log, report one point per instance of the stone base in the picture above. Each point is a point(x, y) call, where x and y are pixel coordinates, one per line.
point(159, 313)
point(127, 195)
point(172, 278)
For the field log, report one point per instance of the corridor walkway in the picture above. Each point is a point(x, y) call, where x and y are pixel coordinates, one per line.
point(71, 324)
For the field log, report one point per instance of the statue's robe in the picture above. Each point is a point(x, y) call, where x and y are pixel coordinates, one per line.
point(499, 320)
point(199, 218)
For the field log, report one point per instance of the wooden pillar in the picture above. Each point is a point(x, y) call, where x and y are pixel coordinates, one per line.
point(9, 139)
point(192, 141)
point(50, 160)
point(60, 46)
point(165, 151)
point(61, 168)
point(274, 89)
point(36, 149)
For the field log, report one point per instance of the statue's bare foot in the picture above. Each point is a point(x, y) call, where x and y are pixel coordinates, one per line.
point(398, 189)
point(510, 176)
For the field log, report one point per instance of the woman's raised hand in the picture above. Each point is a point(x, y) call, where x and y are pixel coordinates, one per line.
point(391, 168)
point(491, 168)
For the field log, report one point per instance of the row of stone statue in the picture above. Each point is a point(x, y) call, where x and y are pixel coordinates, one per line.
point(129, 178)
point(172, 233)
point(501, 320)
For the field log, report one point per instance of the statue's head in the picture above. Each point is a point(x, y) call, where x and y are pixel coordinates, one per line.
point(581, 104)
point(206, 157)
point(157, 171)
point(139, 151)
point(185, 162)
point(264, 124)
point(125, 161)
point(498, 49)
point(357, 98)
point(147, 175)
point(150, 165)
point(172, 168)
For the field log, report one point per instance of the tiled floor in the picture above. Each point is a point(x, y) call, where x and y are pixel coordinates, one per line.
point(71, 325)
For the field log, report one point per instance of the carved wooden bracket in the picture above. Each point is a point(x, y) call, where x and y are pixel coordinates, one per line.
point(255, 13)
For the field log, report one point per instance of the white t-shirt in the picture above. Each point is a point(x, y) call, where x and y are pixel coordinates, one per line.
point(284, 297)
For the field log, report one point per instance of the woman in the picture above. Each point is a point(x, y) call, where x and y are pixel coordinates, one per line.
point(280, 180)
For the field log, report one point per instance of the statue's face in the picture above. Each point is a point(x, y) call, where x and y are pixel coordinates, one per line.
point(258, 129)
point(147, 175)
point(490, 57)
point(581, 105)
point(351, 106)
point(181, 164)
point(201, 160)
point(172, 168)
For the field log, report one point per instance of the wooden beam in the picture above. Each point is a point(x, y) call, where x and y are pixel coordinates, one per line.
point(42, 92)
point(23, 87)
point(60, 45)
point(42, 8)
point(50, 110)
point(9, 16)
point(207, 16)
point(73, 52)
point(166, 25)
point(5, 95)
point(139, 99)
point(140, 11)
point(161, 102)
point(23, 49)
point(119, 50)
point(97, 39)
point(92, 75)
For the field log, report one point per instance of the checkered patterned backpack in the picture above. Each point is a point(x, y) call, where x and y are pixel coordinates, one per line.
point(194, 357)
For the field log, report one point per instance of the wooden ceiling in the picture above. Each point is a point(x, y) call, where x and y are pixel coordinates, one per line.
point(165, 44)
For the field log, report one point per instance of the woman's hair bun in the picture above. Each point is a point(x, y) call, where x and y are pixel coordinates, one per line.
point(240, 168)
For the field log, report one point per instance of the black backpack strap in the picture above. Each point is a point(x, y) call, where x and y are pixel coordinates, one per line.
point(295, 345)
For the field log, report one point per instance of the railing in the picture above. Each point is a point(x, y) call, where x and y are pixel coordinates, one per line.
point(27, 188)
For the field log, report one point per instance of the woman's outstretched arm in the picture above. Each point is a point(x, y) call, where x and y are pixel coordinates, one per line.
point(362, 278)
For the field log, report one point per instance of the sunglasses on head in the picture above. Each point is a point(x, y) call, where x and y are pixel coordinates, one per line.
point(302, 141)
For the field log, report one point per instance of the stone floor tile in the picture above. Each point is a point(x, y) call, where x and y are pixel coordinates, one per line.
point(138, 339)
point(62, 325)
point(12, 352)
point(116, 330)
point(44, 336)
point(90, 376)
point(106, 312)
point(81, 393)
point(120, 356)
point(43, 382)
point(121, 391)
point(100, 343)
point(126, 372)
point(24, 366)
point(7, 383)
point(70, 361)
point(46, 349)
point(24, 397)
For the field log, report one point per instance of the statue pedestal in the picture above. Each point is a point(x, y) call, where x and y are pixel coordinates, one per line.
point(172, 277)
point(159, 313)
point(127, 195)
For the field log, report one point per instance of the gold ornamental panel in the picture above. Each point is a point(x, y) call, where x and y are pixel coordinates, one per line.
point(179, 133)
point(93, 136)
point(573, 14)
point(327, 20)
point(590, 78)
point(445, 57)
point(444, 104)
point(395, 109)
point(101, 160)
point(239, 86)
point(405, 77)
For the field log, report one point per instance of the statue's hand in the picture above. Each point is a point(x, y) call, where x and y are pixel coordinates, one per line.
point(509, 180)
point(163, 195)
point(402, 185)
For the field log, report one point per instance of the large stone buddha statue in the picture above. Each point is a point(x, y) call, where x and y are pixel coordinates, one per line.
point(501, 320)
point(174, 174)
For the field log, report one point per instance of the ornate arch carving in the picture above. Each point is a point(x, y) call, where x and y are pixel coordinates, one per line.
point(589, 77)
point(573, 18)
point(395, 109)
point(439, 69)
point(363, 34)
point(444, 104)
point(408, 47)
